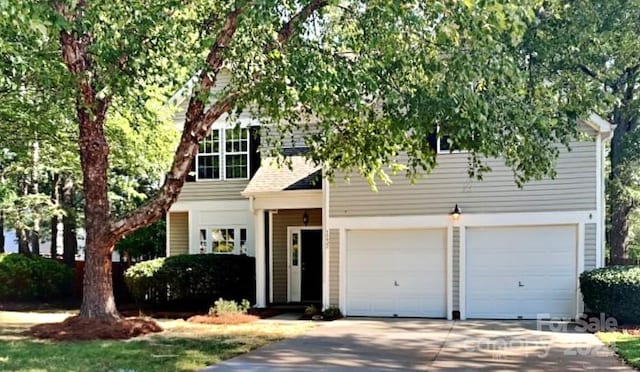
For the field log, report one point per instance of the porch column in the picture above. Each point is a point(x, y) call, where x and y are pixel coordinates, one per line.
point(258, 223)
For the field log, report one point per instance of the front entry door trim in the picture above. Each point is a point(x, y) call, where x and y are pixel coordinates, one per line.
point(294, 260)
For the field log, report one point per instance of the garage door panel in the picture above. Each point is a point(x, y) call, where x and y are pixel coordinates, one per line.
point(396, 273)
point(521, 271)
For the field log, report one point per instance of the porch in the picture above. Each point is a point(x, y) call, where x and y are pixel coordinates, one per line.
point(286, 203)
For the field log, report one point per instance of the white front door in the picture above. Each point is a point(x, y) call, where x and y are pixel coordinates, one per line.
point(396, 273)
point(521, 272)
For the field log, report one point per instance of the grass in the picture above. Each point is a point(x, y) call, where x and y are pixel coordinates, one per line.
point(627, 346)
point(181, 347)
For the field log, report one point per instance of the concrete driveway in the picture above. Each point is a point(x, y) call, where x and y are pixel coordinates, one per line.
point(432, 345)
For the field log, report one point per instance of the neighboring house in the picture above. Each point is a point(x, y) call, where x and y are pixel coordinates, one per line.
point(513, 253)
point(11, 245)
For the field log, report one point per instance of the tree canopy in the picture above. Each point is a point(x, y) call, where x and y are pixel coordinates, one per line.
point(377, 78)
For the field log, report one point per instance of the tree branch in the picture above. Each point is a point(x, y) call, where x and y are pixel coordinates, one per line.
point(293, 25)
point(198, 122)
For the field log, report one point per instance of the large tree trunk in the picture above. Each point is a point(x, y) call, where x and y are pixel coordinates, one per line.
point(1, 232)
point(69, 237)
point(621, 204)
point(101, 232)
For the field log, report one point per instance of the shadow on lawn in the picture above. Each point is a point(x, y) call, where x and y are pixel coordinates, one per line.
point(150, 354)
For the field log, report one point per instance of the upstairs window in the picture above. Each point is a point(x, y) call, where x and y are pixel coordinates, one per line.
point(236, 153)
point(208, 159)
point(223, 154)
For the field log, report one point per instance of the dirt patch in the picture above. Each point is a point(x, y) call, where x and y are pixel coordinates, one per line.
point(76, 328)
point(223, 319)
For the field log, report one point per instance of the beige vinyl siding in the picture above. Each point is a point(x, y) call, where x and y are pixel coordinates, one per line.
point(209, 190)
point(455, 285)
point(271, 136)
point(334, 267)
point(178, 233)
point(574, 188)
point(281, 220)
point(590, 246)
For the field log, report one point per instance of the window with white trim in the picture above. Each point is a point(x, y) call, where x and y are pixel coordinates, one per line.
point(236, 156)
point(445, 146)
point(223, 154)
point(223, 240)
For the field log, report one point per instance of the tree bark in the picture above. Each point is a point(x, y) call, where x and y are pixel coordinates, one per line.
point(621, 205)
point(2, 232)
point(69, 237)
point(101, 232)
point(55, 220)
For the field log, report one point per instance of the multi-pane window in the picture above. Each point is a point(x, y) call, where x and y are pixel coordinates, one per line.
point(209, 156)
point(224, 154)
point(236, 153)
point(223, 240)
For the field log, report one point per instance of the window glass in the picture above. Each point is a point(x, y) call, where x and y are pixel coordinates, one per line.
point(295, 248)
point(243, 241)
point(222, 240)
point(208, 158)
point(203, 241)
point(236, 153)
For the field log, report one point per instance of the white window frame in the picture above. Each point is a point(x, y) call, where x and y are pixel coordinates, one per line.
point(237, 238)
point(439, 140)
point(222, 154)
point(219, 154)
point(239, 152)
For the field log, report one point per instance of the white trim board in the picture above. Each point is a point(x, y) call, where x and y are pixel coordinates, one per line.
point(449, 272)
point(309, 199)
point(436, 221)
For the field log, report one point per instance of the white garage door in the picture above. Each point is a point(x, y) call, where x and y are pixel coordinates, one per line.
point(521, 272)
point(396, 273)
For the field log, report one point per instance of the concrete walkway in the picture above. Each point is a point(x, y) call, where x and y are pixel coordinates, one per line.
point(431, 345)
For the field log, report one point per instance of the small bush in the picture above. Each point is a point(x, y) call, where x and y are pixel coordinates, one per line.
point(224, 307)
point(311, 310)
point(26, 278)
point(190, 281)
point(614, 291)
point(332, 313)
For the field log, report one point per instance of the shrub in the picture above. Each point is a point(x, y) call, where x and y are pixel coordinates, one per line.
point(190, 281)
point(311, 310)
point(224, 307)
point(25, 278)
point(614, 291)
point(332, 313)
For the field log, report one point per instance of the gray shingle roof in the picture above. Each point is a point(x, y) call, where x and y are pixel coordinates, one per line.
point(301, 175)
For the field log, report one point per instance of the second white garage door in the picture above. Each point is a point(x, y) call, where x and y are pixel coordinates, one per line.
point(396, 273)
point(521, 272)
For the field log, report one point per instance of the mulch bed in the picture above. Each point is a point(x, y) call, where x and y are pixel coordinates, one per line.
point(223, 319)
point(76, 328)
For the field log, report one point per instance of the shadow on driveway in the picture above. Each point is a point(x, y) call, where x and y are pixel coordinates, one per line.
point(431, 345)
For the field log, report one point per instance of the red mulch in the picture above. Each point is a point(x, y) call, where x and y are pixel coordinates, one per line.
point(76, 328)
point(224, 319)
point(264, 313)
point(630, 330)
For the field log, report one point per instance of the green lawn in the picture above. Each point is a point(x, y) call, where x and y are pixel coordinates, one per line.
point(181, 347)
point(627, 346)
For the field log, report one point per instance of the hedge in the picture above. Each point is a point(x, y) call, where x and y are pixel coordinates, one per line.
point(192, 281)
point(614, 291)
point(26, 278)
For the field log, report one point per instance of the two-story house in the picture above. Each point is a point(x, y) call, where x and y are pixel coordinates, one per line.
point(509, 253)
